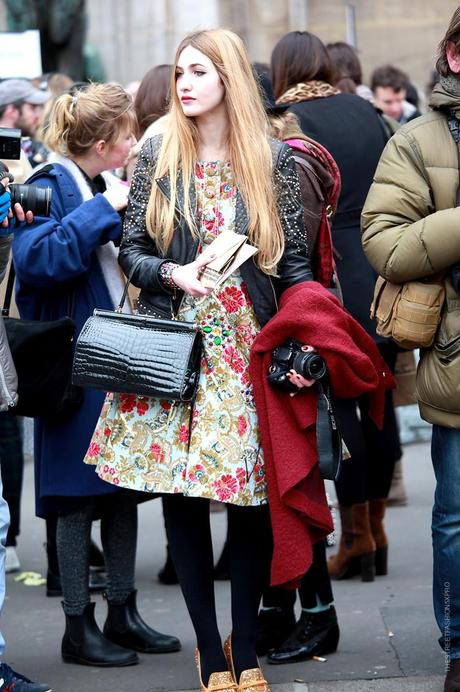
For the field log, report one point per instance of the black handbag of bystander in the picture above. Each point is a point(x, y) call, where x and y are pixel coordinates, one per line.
point(42, 353)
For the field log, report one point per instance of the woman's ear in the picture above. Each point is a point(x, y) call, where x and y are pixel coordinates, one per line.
point(100, 147)
point(453, 57)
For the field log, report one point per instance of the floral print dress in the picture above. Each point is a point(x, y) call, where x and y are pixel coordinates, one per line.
point(143, 443)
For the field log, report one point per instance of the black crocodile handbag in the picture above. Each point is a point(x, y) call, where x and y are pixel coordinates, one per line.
point(138, 354)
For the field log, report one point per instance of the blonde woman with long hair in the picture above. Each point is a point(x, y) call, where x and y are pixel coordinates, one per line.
point(213, 170)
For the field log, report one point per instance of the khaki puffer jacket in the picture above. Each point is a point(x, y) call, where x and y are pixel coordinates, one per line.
point(411, 229)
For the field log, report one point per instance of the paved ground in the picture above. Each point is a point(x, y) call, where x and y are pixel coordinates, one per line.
point(388, 635)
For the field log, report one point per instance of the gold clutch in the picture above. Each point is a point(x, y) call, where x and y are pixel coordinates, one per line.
point(230, 250)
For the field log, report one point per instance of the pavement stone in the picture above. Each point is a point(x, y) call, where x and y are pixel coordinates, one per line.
point(388, 633)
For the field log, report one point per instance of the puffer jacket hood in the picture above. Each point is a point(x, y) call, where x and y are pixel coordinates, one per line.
point(442, 98)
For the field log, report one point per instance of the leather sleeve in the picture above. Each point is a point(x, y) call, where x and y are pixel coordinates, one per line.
point(137, 247)
point(294, 267)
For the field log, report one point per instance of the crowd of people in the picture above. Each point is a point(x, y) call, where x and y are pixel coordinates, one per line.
point(334, 183)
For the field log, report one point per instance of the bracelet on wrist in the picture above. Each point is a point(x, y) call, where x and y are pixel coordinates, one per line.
point(165, 273)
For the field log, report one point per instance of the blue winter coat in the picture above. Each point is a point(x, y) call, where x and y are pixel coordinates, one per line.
point(54, 259)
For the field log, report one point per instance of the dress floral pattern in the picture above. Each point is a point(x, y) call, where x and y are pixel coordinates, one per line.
point(143, 443)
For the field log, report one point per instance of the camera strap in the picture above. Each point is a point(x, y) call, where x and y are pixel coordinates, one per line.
point(328, 438)
point(70, 304)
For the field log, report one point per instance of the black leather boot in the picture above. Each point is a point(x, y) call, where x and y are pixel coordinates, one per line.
point(274, 625)
point(97, 581)
point(316, 634)
point(84, 643)
point(96, 558)
point(125, 627)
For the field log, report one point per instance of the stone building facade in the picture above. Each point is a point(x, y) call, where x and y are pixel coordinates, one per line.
point(133, 35)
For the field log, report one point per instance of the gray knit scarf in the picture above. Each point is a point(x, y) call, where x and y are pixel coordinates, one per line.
point(451, 84)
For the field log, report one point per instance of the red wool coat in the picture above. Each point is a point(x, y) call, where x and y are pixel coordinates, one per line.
point(298, 506)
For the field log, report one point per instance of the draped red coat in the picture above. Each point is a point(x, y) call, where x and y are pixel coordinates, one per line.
point(298, 507)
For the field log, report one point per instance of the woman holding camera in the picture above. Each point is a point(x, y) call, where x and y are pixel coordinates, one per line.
point(213, 170)
point(67, 265)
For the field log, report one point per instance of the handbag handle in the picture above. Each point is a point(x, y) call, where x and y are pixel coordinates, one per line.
point(119, 308)
point(9, 295)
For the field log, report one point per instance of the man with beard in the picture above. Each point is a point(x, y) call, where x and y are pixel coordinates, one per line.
point(21, 106)
point(411, 230)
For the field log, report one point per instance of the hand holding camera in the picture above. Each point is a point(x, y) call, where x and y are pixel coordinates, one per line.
point(6, 209)
point(5, 203)
point(33, 198)
point(295, 365)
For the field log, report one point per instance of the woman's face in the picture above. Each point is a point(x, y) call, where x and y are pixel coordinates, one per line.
point(115, 155)
point(198, 85)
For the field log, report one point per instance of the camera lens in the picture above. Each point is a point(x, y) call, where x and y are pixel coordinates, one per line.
point(32, 198)
point(313, 367)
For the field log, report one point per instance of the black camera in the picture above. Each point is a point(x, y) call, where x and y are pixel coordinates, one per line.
point(31, 197)
point(10, 143)
point(290, 356)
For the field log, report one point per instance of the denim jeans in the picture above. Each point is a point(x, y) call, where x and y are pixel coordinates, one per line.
point(445, 452)
point(4, 524)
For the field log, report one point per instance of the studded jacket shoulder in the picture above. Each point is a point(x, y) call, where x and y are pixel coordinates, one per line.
point(138, 249)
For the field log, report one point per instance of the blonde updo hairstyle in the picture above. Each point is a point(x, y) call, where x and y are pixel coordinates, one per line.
point(93, 113)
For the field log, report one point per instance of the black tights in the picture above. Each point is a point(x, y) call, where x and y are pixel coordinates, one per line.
point(367, 474)
point(250, 546)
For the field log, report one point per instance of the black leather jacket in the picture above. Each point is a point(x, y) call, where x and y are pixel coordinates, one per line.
point(138, 250)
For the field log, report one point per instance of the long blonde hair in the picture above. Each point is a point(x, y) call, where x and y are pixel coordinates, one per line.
point(248, 147)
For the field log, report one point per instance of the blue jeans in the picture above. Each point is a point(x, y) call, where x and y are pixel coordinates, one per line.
point(445, 452)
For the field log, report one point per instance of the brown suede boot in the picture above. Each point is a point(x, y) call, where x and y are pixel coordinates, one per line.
point(357, 547)
point(376, 515)
point(397, 496)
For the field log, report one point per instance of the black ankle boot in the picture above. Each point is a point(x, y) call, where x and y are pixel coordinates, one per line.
point(96, 558)
point(167, 574)
point(97, 581)
point(125, 627)
point(316, 634)
point(273, 627)
point(84, 643)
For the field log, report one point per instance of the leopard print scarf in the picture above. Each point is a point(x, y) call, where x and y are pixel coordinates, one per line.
point(306, 91)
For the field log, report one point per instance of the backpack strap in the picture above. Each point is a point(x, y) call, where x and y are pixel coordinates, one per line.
point(315, 149)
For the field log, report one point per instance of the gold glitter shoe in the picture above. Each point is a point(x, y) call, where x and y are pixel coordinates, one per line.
point(251, 680)
point(218, 682)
